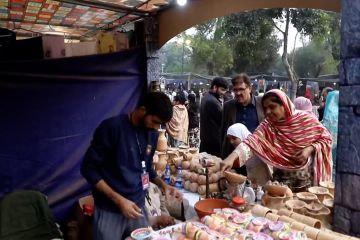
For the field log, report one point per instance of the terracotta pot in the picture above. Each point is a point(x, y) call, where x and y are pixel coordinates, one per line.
point(194, 177)
point(186, 174)
point(321, 215)
point(273, 202)
point(193, 187)
point(171, 156)
point(162, 141)
point(276, 190)
point(201, 180)
point(178, 161)
point(295, 205)
point(187, 185)
point(185, 165)
point(161, 163)
point(329, 185)
point(306, 197)
point(213, 187)
point(321, 192)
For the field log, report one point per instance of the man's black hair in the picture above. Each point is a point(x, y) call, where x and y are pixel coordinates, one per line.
point(157, 104)
point(241, 78)
point(180, 98)
point(219, 82)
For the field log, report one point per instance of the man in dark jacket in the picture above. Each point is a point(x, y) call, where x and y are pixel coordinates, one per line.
point(210, 117)
point(244, 108)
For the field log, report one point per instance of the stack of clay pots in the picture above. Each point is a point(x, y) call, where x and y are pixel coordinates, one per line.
point(194, 175)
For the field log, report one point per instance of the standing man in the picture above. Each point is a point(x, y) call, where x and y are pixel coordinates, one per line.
point(244, 108)
point(118, 164)
point(210, 117)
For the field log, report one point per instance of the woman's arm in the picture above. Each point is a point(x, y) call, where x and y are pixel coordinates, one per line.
point(242, 153)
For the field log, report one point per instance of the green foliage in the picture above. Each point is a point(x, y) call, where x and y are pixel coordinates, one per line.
point(314, 60)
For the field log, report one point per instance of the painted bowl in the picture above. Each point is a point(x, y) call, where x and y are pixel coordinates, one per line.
point(141, 234)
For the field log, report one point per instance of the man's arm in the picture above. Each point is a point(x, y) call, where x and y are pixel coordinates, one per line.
point(128, 208)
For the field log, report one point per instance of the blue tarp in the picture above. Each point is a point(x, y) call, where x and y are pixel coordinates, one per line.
point(49, 110)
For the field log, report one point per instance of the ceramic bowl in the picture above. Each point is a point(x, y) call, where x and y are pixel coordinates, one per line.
point(234, 177)
point(141, 234)
point(276, 190)
point(206, 206)
point(295, 204)
point(306, 197)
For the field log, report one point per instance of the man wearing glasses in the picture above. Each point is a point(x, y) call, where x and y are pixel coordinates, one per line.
point(245, 108)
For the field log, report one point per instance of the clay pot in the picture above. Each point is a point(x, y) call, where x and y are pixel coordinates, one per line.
point(194, 177)
point(188, 156)
point(329, 185)
point(161, 163)
point(295, 205)
point(234, 177)
point(193, 187)
point(273, 202)
point(201, 180)
point(321, 215)
point(306, 197)
point(212, 188)
point(276, 190)
point(314, 206)
point(187, 185)
point(162, 141)
point(329, 203)
point(320, 192)
point(178, 161)
point(186, 174)
point(171, 156)
point(185, 165)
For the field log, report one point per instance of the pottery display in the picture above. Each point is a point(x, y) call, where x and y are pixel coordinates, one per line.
point(260, 211)
point(177, 161)
point(234, 177)
point(320, 192)
point(185, 165)
point(183, 147)
point(329, 203)
point(306, 197)
point(171, 155)
point(162, 141)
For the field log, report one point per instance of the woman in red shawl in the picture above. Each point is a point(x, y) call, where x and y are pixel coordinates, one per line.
point(289, 140)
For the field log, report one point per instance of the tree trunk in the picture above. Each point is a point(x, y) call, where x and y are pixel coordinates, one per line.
point(285, 59)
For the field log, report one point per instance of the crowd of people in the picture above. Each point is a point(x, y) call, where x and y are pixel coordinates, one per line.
point(264, 137)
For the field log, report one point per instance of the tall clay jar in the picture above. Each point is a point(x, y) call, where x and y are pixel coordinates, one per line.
point(162, 141)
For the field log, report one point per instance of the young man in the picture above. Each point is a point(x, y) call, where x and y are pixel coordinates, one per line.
point(244, 108)
point(210, 117)
point(118, 164)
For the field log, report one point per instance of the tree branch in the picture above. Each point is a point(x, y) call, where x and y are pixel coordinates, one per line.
point(276, 26)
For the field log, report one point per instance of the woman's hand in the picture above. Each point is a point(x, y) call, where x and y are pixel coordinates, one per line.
point(225, 165)
point(304, 154)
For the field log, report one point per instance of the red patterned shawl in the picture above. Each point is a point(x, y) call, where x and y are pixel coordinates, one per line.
point(277, 142)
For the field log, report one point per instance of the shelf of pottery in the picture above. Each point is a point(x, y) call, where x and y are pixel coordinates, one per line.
point(189, 160)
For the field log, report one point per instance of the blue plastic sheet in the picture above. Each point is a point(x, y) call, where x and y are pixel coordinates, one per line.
point(49, 110)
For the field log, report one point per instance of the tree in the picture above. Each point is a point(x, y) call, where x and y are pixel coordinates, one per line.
point(171, 55)
point(308, 22)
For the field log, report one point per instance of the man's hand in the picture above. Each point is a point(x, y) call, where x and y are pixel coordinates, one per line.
point(164, 221)
point(304, 154)
point(128, 208)
point(225, 165)
point(170, 190)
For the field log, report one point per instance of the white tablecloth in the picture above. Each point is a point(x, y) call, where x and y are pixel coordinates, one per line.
point(192, 198)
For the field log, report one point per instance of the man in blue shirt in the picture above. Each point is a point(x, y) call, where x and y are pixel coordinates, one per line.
point(118, 164)
point(244, 108)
